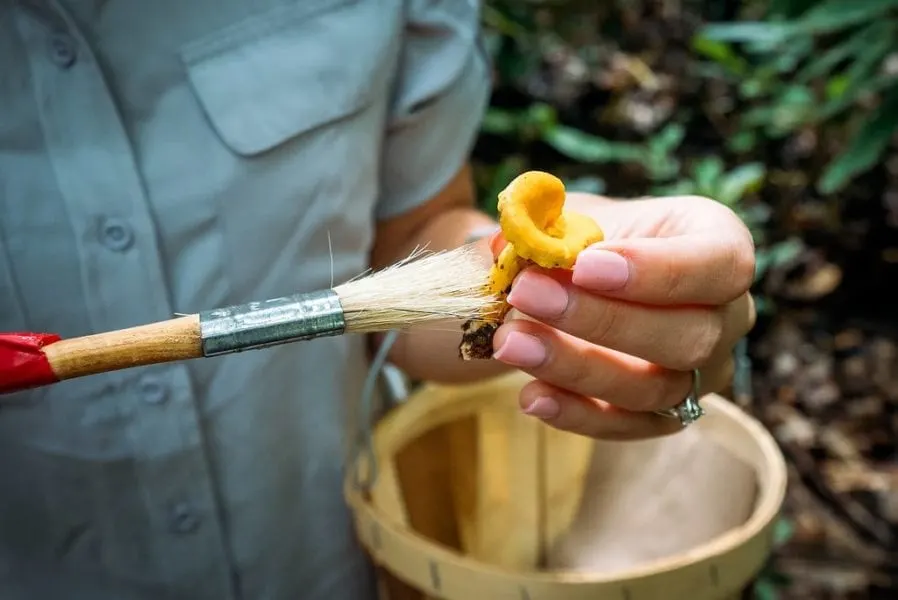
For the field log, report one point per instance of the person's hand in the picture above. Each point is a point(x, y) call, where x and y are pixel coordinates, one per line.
point(618, 337)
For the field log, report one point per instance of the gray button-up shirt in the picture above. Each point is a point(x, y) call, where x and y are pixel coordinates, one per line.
point(171, 156)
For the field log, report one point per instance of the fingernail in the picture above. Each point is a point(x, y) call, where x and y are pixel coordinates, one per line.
point(521, 350)
point(543, 407)
point(601, 270)
point(538, 295)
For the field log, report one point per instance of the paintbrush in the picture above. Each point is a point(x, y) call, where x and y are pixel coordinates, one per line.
point(421, 291)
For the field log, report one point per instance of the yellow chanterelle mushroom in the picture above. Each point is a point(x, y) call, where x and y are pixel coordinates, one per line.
point(538, 230)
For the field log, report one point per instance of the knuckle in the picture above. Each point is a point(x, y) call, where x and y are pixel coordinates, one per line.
point(603, 325)
point(704, 341)
point(576, 371)
point(561, 365)
point(572, 418)
point(675, 280)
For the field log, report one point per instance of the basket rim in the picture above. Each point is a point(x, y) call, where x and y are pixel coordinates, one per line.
point(758, 527)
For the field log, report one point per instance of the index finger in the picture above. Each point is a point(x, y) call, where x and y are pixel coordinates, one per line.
point(703, 269)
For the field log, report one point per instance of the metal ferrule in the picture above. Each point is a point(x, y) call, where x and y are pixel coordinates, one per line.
point(271, 322)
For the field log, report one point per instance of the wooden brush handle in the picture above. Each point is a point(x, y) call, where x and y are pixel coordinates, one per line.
point(165, 341)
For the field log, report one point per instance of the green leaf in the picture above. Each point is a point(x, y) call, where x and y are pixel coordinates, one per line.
point(740, 181)
point(823, 18)
point(758, 32)
point(588, 184)
point(835, 106)
point(542, 117)
point(660, 162)
point(707, 173)
point(668, 139)
point(865, 148)
point(503, 23)
point(764, 305)
point(834, 15)
point(499, 122)
point(720, 52)
point(661, 167)
point(754, 215)
point(782, 531)
point(837, 86)
point(765, 590)
point(754, 87)
point(776, 255)
point(794, 106)
point(789, 56)
point(743, 141)
point(684, 187)
point(587, 148)
point(880, 42)
point(839, 53)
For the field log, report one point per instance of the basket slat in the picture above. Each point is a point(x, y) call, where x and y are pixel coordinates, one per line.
point(509, 469)
point(388, 494)
point(566, 459)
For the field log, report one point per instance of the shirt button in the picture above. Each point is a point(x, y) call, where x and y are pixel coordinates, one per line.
point(183, 519)
point(62, 50)
point(116, 235)
point(152, 391)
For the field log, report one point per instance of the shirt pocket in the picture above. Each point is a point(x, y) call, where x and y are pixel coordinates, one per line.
point(297, 97)
point(276, 75)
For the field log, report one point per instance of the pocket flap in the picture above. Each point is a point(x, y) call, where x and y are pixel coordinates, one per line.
point(270, 78)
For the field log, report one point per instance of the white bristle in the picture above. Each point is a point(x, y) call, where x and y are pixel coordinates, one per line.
point(425, 289)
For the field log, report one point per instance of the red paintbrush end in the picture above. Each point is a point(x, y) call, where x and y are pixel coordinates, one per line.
point(23, 364)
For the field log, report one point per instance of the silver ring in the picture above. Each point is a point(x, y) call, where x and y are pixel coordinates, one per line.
point(689, 410)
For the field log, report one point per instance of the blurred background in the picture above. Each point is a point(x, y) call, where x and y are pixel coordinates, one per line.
point(786, 111)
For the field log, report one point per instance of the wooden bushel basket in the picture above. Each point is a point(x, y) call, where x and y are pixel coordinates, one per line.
point(474, 501)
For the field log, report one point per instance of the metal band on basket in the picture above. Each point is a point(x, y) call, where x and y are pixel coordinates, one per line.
point(364, 446)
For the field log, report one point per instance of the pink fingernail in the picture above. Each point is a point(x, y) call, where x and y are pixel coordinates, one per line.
point(521, 350)
point(601, 270)
point(538, 295)
point(543, 407)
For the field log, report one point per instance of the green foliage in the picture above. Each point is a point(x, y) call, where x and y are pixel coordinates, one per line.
point(539, 123)
point(867, 147)
point(708, 177)
point(828, 67)
point(814, 64)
